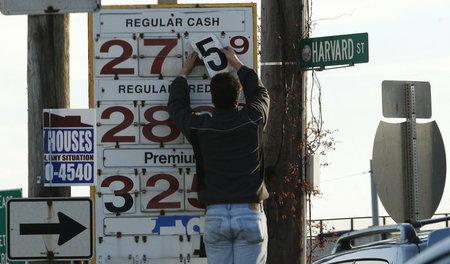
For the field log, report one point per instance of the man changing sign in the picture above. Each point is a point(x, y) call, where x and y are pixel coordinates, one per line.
point(69, 147)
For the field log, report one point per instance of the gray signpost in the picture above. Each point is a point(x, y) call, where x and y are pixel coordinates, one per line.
point(409, 163)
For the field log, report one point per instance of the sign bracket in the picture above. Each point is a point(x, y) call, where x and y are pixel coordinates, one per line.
point(323, 68)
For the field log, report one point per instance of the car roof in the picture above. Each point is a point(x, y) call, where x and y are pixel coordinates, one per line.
point(399, 233)
point(390, 253)
point(392, 243)
point(438, 252)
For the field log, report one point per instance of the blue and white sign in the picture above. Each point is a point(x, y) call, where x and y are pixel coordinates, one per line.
point(69, 147)
point(154, 225)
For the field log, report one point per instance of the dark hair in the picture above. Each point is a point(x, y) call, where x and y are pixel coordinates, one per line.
point(225, 90)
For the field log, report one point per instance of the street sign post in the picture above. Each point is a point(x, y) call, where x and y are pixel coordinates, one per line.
point(334, 50)
point(47, 7)
point(69, 147)
point(53, 228)
point(5, 195)
point(146, 195)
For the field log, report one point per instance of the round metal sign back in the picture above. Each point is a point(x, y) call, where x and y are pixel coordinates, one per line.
point(390, 169)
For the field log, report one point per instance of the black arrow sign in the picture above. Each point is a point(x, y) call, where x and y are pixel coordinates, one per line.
point(67, 228)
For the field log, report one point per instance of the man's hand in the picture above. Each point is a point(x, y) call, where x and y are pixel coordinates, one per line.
point(232, 58)
point(189, 63)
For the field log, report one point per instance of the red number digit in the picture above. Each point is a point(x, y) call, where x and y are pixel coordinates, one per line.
point(147, 130)
point(110, 136)
point(194, 188)
point(156, 203)
point(168, 44)
point(127, 49)
point(244, 46)
point(127, 187)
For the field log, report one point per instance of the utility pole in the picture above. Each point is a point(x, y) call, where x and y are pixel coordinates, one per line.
point(282, 28)
point(48, 87)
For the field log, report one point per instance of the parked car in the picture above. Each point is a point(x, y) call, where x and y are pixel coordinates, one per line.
point(435, 254)
point(391, 244)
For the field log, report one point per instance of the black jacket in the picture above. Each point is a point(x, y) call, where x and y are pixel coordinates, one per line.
point(228, 145)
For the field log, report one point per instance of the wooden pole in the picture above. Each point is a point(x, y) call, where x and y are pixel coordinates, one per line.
point(282, 27)
point(48, 87)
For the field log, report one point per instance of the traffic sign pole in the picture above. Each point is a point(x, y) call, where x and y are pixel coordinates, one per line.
point(411, 130)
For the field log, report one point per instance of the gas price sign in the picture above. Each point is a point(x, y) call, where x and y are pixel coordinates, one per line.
point(69, 147)
point(146, 194)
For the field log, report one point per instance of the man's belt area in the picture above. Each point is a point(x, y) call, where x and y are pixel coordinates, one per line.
point(255, 206)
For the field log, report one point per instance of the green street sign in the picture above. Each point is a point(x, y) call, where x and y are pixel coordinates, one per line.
point(334, 50)
point(4, 197)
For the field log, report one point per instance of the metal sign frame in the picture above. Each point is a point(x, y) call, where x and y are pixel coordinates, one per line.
point(135, 91)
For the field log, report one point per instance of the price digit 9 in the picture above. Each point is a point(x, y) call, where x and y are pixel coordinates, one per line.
point(240, 44)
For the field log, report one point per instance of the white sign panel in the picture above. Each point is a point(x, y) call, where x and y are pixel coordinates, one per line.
point(47, 7)
point(180, 157)
point(176, 20)
point(147, 209)
point(157, 225)
point(53, 228)
point(208, 49)
point(69, 147)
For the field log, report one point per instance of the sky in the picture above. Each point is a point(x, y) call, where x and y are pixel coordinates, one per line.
point(408, 40)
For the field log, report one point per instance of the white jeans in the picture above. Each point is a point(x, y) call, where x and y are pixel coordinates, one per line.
point(236, 234)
